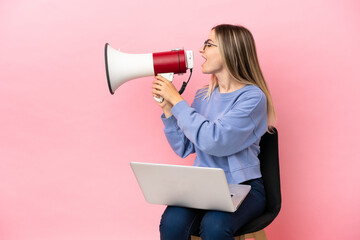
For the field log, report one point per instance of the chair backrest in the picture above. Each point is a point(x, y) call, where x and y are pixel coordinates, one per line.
point(269, 164)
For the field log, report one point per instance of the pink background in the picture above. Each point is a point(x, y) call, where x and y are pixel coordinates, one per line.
point(66, 143)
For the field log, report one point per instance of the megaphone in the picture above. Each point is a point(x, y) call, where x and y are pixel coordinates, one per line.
point(122, 67)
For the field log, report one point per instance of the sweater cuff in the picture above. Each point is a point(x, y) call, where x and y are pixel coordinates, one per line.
point(179, 107)
point(168, 122)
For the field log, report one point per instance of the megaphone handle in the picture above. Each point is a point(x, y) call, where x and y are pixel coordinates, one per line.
point(168, 76)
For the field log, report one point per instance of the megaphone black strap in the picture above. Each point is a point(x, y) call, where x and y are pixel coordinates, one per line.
point(185, 83)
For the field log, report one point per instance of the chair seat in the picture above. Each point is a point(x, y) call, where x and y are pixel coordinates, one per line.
point(259, 235)
point(253, 229)
point(257, 224)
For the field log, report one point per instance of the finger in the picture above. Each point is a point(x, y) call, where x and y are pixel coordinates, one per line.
point(161, 78)
point(158, 83)
point(156, 92)
point(156, 87)
point(155, 84)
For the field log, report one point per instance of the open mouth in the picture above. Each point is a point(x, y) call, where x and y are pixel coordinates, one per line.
point(204, 58)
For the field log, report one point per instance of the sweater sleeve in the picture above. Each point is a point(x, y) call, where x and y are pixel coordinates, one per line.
point(176, 138)
point(232, 132)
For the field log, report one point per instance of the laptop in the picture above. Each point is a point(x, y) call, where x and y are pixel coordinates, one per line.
point(188, 186)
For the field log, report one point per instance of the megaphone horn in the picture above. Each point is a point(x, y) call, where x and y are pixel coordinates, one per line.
point(122, 67)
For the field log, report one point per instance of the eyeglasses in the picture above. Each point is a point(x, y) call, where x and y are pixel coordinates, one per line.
point(208, 44)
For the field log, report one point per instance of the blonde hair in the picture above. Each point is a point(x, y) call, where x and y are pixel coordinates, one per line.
point(237, 47)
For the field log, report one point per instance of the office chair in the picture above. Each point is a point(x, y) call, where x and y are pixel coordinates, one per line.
point(269, 165)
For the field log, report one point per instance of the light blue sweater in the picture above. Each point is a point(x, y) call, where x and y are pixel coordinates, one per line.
point(224, 131)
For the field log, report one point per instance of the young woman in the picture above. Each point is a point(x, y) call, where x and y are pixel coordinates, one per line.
point(223, 126)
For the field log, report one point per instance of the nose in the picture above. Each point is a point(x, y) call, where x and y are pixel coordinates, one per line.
point(201, 50)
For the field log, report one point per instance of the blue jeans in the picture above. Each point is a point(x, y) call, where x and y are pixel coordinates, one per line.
point(179, 223)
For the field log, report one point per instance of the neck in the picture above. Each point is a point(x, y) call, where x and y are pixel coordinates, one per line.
point(227, 83)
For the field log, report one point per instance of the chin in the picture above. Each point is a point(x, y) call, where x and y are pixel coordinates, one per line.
point(205, 71)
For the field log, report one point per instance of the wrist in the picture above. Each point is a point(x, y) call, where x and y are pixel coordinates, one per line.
point(176, 99)
point(167, 108)
point(167, 111)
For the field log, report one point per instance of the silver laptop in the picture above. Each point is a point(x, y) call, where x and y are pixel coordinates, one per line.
point(186, 186)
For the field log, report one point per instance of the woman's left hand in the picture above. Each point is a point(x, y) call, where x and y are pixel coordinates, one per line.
point(164, 88)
